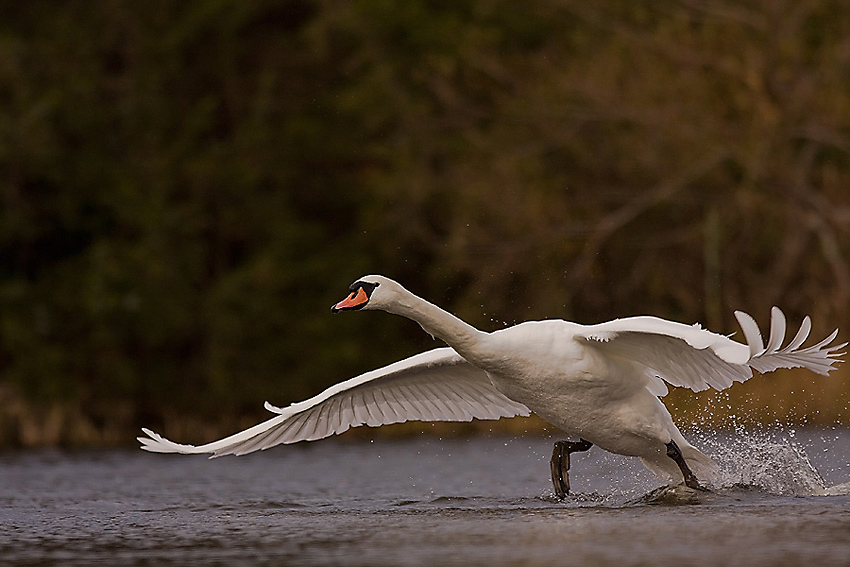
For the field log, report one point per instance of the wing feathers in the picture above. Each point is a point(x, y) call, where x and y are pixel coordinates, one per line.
point(376, 416)
point(751, 332)
point(777, 329)
point(825, 342)
point(384, 408)
point(698, 359)
point(801, 336)
point(437, 385)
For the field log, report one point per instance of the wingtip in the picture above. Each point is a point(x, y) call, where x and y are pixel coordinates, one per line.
point(149, 437)
point(156, 443)
point(152, 443)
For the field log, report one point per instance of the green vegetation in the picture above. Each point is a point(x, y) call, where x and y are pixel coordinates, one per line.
point(186, 187)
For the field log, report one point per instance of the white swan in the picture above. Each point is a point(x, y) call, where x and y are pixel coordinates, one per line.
point(599, 383)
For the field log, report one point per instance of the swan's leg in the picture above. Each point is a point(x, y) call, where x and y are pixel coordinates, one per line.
point(560, 464)
point(560, 476)
point(675, 453)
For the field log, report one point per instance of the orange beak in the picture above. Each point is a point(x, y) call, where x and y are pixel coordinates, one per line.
point(356, 299)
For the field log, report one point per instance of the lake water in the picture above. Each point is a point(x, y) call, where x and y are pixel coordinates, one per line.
point(427, 501)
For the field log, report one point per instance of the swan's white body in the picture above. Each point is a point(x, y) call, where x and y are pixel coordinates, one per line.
point(601, 383)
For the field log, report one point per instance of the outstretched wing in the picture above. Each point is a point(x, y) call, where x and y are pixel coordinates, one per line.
point(691, 357)
point(437, 385)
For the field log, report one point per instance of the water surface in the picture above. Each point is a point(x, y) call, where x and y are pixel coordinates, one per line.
point(426, 501)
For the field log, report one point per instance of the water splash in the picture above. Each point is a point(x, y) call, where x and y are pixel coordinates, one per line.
point(774, 462)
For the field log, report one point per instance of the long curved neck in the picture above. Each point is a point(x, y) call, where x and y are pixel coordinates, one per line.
point(461, 336)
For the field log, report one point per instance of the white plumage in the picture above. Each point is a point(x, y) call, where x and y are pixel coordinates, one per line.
point(598, 382)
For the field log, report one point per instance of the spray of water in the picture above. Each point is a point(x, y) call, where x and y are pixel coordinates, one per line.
point(771, 461)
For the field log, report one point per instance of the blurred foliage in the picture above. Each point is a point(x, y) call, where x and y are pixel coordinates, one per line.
point(185, 187)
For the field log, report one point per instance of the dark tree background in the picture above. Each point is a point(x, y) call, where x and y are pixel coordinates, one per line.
point(186, 187)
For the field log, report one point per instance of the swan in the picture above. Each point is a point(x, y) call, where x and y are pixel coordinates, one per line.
point(601, 384)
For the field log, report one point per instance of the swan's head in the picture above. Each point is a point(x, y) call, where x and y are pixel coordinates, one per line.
point(370, 292)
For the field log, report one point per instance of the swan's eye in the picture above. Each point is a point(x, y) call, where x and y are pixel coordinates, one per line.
point(368, 287)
